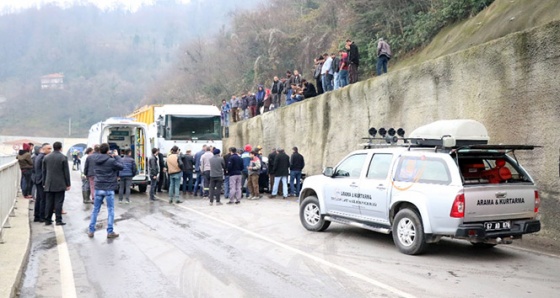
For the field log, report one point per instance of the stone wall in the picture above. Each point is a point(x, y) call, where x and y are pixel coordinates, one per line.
point(511, 85)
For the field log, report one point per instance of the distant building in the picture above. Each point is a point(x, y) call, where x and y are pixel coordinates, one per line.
point(53, 81)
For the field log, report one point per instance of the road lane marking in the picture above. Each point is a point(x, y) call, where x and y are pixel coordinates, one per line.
point(349, 272)
point(533, 251)
point(66, 273)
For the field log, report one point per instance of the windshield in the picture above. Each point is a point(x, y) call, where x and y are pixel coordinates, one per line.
point(193, 127)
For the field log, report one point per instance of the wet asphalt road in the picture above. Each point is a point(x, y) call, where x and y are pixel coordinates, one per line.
point(260, 249)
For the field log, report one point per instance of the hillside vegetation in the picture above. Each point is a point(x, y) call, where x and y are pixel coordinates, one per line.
point(108, 58)
point(499, 19)
point(116, 61)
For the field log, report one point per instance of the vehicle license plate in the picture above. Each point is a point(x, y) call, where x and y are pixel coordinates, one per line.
point(497, 225)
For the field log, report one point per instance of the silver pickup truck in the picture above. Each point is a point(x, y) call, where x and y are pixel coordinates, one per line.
point(446, 181)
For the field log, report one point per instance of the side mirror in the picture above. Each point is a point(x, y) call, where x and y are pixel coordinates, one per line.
point(328, 171)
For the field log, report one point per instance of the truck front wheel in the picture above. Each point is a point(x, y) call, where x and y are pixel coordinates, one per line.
point(408, 232)
point(142, 188)
point(310, 215)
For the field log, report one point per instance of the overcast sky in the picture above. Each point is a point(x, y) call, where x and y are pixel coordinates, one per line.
point(130, 4)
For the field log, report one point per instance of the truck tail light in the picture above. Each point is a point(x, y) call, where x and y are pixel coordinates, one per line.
point(537, 201)
point(458, 208)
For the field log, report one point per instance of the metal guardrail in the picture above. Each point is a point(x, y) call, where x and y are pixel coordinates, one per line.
point(9, 177)
point(4, 159)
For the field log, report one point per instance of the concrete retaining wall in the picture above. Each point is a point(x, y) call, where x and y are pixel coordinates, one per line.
point(511, 85)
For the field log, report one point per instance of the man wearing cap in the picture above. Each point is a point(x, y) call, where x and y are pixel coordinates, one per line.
point(254, 169)
point(297, 163)
point(217, 168)
point(281, 170)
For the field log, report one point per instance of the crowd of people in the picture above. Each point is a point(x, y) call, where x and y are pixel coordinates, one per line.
point(239, 173)
point(208, 173)
point(45, 169)
point(331, 72)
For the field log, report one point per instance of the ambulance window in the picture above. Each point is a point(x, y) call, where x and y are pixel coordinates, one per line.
point(351, 166)
point(379, 166)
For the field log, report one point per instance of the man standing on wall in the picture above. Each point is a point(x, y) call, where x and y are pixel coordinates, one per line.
point(226, 107)
point(383, 56)
point(107, 166)
point(234, 108)
point(353, 60)
point(326, 75)
point(39, 210)
point(276, 91)
point(56, 177)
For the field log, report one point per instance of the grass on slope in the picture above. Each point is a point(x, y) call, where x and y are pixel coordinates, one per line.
point(499, 19)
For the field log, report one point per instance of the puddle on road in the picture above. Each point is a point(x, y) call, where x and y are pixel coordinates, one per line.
point(124, 216)
point(47, 243)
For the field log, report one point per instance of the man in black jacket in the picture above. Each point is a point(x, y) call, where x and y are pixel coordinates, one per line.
point(234, 167)
point(107, 166)
point(297, 163)
point(162, 171)
point(271, 158)
point(153, 162)
point(353, 61)
point(126, 174)
point(276, 91)
point(188, 168)
point(56, 181)
point(281, 170)
point(39, 210)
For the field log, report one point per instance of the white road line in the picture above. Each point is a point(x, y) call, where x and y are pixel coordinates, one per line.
point(302, 253)
point(66, 273)
point(533, 251)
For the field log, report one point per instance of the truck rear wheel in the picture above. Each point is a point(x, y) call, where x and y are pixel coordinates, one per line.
point(142, 188)
point(310, 215)
point(408, 232)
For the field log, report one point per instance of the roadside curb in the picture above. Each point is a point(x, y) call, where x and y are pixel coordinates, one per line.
point(14, 253)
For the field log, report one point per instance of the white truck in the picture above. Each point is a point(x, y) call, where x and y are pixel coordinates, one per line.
point(125, 133)
point(446, 181)
point(187, 126)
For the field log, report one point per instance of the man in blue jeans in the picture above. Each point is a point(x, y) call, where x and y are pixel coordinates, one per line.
point(199, 178)
point(297, 163)
point(107, 166)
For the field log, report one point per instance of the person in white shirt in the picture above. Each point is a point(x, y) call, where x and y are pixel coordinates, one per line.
point(326, 74)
